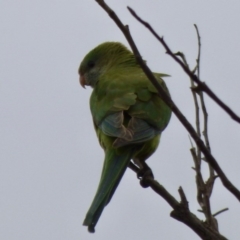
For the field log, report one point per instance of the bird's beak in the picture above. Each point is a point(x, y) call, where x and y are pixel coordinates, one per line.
point(82, 81)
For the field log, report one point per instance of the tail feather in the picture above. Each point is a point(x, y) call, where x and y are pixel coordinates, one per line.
point(114, 167)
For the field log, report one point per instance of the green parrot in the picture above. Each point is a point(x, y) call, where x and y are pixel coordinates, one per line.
point(128, 116)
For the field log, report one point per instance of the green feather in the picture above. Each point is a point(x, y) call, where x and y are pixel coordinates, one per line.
point(128, 116)
point(115, 164)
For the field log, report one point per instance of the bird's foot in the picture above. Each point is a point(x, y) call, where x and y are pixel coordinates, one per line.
point(144, 174)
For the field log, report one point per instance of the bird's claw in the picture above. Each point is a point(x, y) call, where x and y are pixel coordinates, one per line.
point(144, 175)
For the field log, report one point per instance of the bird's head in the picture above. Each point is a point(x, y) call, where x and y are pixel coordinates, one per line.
point(101, 59)
point(90, 68)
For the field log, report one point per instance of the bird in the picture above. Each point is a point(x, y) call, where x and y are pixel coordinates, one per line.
point(128, 116)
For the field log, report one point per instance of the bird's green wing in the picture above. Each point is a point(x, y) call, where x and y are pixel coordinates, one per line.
point(150, 107)
point(129, 108)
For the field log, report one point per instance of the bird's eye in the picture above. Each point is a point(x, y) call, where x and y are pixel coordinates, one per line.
point(91, 64)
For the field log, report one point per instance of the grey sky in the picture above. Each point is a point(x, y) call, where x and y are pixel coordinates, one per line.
point(50, 157)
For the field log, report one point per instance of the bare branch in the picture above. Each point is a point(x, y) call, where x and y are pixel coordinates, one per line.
point(199, 51)
point(181, 210)
point(201, 85)
point(204, 110)
point(204, 190)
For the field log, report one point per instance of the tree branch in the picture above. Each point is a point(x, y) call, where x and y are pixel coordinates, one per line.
point(204, 189)
point(181, 210)
point(201, 85)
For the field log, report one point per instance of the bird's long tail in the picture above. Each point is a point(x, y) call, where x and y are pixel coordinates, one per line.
point(114, 167)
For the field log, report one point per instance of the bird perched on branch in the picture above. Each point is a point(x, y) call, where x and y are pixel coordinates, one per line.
point(128, 116)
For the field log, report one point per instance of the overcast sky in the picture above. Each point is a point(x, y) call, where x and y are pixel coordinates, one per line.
point(50, 157)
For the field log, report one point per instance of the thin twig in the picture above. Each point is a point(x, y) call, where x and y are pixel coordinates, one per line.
point(212, 177)
point(197, 118)
point(199, 51)
point(204, 190)
point(197, 158)
point(199, 179)
point(221, 211)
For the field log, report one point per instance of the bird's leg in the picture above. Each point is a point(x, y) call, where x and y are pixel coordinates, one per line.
point(143, 173)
